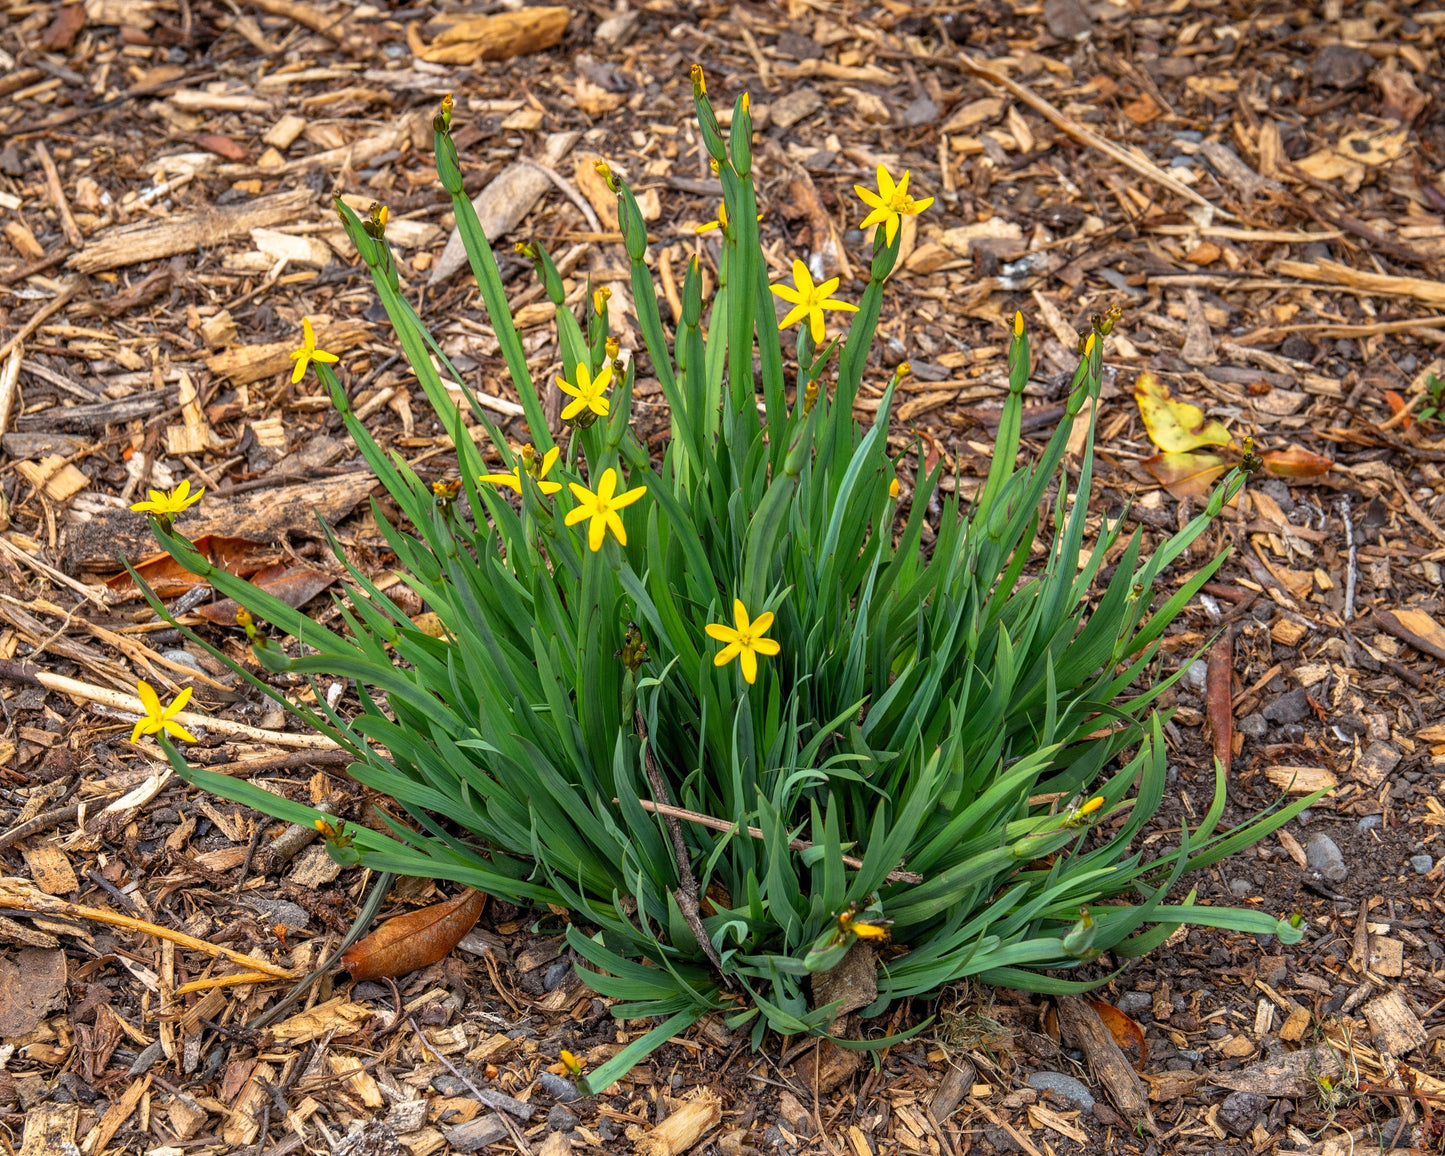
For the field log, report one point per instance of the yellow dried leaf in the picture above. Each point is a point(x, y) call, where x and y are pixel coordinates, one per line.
point(1174, 426)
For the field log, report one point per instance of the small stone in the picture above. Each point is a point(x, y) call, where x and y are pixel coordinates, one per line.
point(1324, 859)
point(1195, 675)
point(1279, 491)
point(1369, 823)
point(1421, 864)
point(1065, 1087)
point(559, 1119)
point(1066, 19)
point(184, 658)
point(1239, 1111)
point(1001, 1140)
point(1240, 888)
point(281, 911)
point(1190, 1055)
point(556, 1087)
point(1135, 1003)
point(1292, 707)
point(557, 974)
point(1340, 66)
point(790, 109)
point(1254, 726)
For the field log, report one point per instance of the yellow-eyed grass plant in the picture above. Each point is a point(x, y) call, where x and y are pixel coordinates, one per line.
point(946, 754)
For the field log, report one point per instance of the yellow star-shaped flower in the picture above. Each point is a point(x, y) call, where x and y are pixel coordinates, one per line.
point(890, 204)
point(809, 300)
point(308, 352)
point(169, 505)
point(745, 642)
point(529, 457)
point(588, 391)
point(158, 720)
point(602, 508)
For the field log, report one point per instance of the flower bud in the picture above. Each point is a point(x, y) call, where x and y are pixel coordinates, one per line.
point(894, 489)
point(599, 300)
point(905, 369)
point(1019, 323)
point(613, 348)
point(699, 81)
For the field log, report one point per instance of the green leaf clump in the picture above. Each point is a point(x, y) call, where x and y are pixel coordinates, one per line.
point(946, 750)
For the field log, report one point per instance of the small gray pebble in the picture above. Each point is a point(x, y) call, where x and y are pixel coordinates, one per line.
point(1195, 674)
point(556, 1087)
point(559, 1119)
point(1191, 1055)
point(1240, 888)
point(557, 974)
point(1067, 1087)
point(184, 658)
point(1369, 822)
point(1135, 1003)
point(1292, 707)
point(1239, 1111)
point(1324, 859)
point(1421, 863)
point(1254, 726)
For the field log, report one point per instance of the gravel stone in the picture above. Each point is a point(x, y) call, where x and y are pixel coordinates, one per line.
point(1421, 863)
point(1135, 1003)
point(559, 1119)
point(1254, 726)
point(1289, 708)
point(1324, 859)
point(1067, 1087)
point(1370, 822)
point(1195, 674)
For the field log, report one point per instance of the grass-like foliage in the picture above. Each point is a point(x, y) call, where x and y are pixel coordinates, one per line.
point(930, 733)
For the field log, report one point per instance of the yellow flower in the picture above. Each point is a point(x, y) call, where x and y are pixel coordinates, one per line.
point(602, 508)
point(699, 82)
point(156, 719)
point(169, 505)
point(571, 1062)
point(904, 370)
point(308, 352)
point(1018, 323)
point(514, 479)
point(745, 642)
point(1092, 805)
point(894, 489)
point(809, 300)
point(720, 223)
point(588, 391)
point(599, 300)
point(890, 204)
point(869, 930)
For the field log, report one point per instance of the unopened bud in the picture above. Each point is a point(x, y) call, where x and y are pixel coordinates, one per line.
point(699, 81)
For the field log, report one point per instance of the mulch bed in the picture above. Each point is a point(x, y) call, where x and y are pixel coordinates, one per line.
point(1258, 188)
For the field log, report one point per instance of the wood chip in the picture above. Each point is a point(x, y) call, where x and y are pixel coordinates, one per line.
point(50, 870)
point(685, 1126)
point(1395, 1029)
point(1301, 780)
point(1082, 1029)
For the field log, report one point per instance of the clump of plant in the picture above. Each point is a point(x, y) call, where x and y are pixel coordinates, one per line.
point(727, 708)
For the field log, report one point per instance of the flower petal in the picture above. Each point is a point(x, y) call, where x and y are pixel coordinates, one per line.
point(568, 388)
point(868, 197)
point(549, 459)
point(576, 514)
point(920, 205)
point(802, 278)
point(794, 315)
point(815, 325)
point(596, 532)
point(607, 486)
point(147, 695)
point(302, 357)
point(179, 731)
point(766, 646)
point(323, 356)
point(885, 183)
point(308, 335)
point(761, 623)
point(573, 408)
point(749, 662)
point(727, 654)
point(720, 632)
point(582, 494)
point(599, 405)
point(614, 523)
point(891, 229)
point(629, 497)
point(786, 292)
point(901, 190)
point(603, 379)
point(835, 303)
point(547, 488)
point(179, 704)
point(740, 615)
point(513, 480)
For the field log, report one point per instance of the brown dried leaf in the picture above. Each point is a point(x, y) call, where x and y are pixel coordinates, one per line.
point(1218, 696)
point(1187, 475)
point(239, 556)
point(1127, 1034)
point(415, 939)
point(1295, 463)
point(294, 585)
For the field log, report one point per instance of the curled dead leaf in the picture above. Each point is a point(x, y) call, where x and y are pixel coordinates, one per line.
point(1295, 463)
point(1174, 426)
point(415, 939)
point(294, 585)
point(1127, 1034)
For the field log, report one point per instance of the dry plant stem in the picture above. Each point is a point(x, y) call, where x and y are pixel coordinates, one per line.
point(1352, 572)
point(666, 809)
point(18, 672)
point(686, 893)
point(20, 895)
point(1144, 168)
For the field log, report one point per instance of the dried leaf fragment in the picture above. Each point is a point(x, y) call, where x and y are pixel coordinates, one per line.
point(415, 939)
